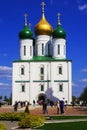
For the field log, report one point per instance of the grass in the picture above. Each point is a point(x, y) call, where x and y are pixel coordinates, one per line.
point(66, 117)
point(65, 126)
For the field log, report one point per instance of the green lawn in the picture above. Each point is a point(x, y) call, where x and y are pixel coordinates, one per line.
point(66, 117)
point(65, 126)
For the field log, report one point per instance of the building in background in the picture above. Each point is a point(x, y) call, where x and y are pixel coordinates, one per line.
point(43, 71)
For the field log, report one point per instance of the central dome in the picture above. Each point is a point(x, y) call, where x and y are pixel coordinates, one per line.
point(43, 27)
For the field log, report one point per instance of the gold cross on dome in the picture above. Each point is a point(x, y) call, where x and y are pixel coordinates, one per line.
point(59, 14)
point(43, 4)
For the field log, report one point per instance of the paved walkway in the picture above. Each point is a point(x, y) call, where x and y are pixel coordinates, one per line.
point(14, 125)
point(51, 111)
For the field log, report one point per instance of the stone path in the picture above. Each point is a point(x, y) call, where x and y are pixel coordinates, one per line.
point(67, 111)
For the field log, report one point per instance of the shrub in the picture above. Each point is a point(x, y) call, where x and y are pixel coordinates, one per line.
point(2, 126)
point(31, 121)
point(25, 120)
point(12, 116)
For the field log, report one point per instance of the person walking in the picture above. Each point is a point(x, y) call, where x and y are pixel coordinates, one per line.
point(45, 107)
point(15, 106)
point(34, 103)
point(62, 106)
point(58, 107)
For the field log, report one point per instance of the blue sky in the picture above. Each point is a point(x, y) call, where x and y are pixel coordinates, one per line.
point(73, 20)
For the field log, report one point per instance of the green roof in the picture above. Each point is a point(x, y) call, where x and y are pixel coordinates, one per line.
point(42, 59)
point(25, 33)
point(59, 32)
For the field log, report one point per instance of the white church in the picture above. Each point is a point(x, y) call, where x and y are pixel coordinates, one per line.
point(43, 71)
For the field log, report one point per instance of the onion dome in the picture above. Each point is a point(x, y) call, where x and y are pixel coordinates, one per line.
point(25, 33)
point(43, 27)
point(59, 31)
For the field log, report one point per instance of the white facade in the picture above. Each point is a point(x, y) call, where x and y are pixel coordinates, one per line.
point(43, 71)
point(26, 49)
point(59, 48)
point(42, 43)
point(56, 85)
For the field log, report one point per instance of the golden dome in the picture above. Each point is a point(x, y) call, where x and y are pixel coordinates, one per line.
point(43, 27)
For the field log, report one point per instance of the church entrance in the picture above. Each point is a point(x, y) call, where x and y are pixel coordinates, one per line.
point(42, 97)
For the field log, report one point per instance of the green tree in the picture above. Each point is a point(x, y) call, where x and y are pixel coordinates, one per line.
point(0, 97)
point(83, 95)
point(73, 99)
point(9, 100)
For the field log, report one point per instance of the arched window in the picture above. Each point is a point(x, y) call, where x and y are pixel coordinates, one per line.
point(30, 50)
point(42, 70)
point(64, 50)
point(22, 70)
point(60, 69)
point(23, 88)
point(24, 50)
point(48, 49)
point(42, 87)
point(42, 49)
point(58, 49)
point(60, 87)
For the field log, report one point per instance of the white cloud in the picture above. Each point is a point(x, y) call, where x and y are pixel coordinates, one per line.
point(3, 54)
point(83, 80)
point(5, 68)
point(74, 85)
point(84, 70)
point(5, 72)
point(4, 85)
point(82, 7)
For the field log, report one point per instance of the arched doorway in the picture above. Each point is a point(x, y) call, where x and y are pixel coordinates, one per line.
point(42, 97)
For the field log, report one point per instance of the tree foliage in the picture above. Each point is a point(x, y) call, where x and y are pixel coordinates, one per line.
point(83, 95)
point(0, 97)
point(73, 98)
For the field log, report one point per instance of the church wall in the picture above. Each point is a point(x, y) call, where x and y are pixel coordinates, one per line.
point(70, 81)
point(19, 80)
point(50, 88)
point(51, 81)
point(60, 94)
point(36, 79)
point(27, 43)
point(62, 43)
point(17, 70)
point(18, 95)
point(64, 78)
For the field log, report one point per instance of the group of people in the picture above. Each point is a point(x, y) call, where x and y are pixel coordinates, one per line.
point(20, 104)
point(60, 107)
